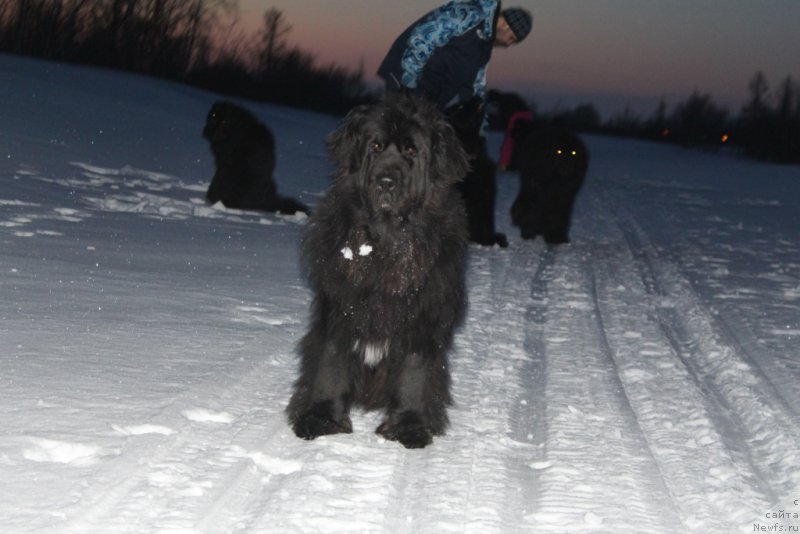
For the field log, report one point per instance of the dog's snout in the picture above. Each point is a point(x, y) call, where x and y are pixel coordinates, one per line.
point(386, 183)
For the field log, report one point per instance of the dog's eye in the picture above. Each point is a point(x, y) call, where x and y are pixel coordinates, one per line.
point(410, 151)
point(559, 151)
point(375, 146)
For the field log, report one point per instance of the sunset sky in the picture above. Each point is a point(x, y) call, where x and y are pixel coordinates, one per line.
point(609, 52)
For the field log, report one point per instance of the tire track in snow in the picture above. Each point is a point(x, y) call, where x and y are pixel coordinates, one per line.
point(750, 405)
point(489, 404)
point(500, 290)
point(763, 360)
point(596, 473)
point(531, 422)
point(199, 478)
point(725, 462)
point(344, 486)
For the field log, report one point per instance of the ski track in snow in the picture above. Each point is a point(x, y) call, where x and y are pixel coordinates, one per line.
point(643, 378)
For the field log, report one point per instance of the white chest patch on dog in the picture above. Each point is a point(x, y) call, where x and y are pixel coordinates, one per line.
point(363, 250)
point(372, 353)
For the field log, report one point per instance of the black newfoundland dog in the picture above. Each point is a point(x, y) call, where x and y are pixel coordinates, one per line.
point(479, 187)
point(385, 252)
point(244, 153)
point(552, 164)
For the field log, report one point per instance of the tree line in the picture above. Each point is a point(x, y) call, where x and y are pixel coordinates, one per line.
point(767, 127)
point(200, 42)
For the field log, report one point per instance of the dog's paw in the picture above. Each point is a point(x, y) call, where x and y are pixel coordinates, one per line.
point(409, 431)
point(556, 239)
point(315, 423)
point(501, 240)
point(529, 233)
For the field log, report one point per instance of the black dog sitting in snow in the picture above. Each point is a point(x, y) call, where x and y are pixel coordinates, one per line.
point(479, 187)
point(385, 251)
point(552, 164)
point(244, 153)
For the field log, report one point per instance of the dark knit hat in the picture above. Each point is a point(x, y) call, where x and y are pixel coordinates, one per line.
point(519, 20)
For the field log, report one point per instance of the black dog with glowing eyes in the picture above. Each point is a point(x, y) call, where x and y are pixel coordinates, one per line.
point(552, 164)
point(384, 251)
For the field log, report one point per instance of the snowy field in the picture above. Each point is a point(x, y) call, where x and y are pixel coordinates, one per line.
point(645, 378)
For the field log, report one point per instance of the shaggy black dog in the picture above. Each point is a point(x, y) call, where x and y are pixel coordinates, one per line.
point(385, 252)
point(479, 187)
point(552, 165)
point(244, 153)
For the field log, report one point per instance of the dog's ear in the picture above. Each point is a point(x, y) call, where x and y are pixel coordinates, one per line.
point(448, 159)
point(344, 142)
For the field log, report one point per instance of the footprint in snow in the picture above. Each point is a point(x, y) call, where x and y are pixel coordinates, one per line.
point(268, 464)
point(199, 415)
point(139, 430)
point(62, 452)
point(274, 466)
point(21, 223)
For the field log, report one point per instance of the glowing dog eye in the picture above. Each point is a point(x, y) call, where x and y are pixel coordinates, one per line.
point(574, 152)
point(375, 146)
point(559, 151)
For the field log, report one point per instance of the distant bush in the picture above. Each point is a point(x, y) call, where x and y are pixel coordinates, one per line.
point(769, 127)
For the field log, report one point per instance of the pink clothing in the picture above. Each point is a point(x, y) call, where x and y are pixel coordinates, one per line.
point(507, 149)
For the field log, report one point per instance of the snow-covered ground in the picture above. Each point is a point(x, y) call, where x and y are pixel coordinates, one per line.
point(645, 378)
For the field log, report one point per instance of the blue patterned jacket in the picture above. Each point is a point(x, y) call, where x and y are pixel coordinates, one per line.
point(443, 55)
